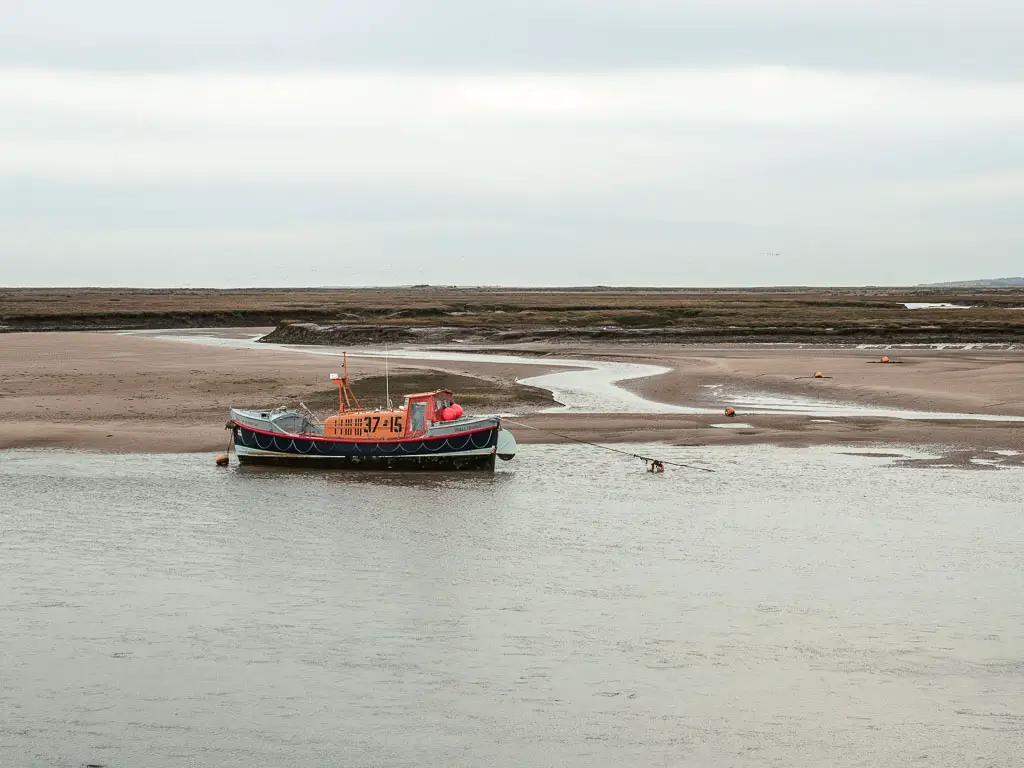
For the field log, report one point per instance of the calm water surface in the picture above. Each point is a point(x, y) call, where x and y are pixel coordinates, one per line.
point(797, 608)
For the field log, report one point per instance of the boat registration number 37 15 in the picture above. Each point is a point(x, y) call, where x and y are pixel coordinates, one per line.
point(372, 424)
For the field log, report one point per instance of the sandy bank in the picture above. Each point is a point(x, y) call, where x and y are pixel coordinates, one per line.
point(949, 380)
point(103, 391)
point(111, 392)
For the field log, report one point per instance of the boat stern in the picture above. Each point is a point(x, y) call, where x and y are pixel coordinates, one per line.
point(506, 449)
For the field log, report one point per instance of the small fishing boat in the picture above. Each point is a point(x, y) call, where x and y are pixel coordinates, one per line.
point(430, 431)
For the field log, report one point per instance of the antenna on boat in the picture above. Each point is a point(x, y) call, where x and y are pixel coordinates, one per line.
point(387, 380)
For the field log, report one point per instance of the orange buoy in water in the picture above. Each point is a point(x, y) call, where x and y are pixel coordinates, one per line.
point(730, 412)
point(222, 460)
point(885, 358)
point(817, 375)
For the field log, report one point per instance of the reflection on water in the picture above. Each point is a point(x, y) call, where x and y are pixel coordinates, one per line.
point(797, 608)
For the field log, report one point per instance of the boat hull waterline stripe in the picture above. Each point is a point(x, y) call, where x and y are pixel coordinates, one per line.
point(481, 440)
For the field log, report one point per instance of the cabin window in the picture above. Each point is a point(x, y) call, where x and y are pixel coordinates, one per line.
point(418, 417)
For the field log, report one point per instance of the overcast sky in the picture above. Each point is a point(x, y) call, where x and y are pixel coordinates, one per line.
point(535, 142)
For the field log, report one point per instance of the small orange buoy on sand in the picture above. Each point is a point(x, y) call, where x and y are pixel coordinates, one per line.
point(885, 359)
point(817, 375)
point(730, 412)
point(222, 460)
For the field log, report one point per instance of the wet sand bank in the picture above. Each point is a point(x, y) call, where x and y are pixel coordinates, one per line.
point(124, 393)
point(978, 380)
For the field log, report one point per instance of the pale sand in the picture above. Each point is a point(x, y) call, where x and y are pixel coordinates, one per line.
point(102, 391)
point(969, 381)
point(109, 392)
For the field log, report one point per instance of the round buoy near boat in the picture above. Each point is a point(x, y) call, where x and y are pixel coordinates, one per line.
point(223, 460)
point(885, 359)
point(818, 375)
point(730, 412)
point(452, 412)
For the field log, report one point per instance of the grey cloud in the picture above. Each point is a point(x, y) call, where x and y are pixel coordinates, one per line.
point(829, 232)
point(945, 36)
point(683, 179)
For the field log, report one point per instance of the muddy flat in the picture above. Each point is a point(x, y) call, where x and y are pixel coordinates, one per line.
point(438, 314)
point(133, 393)
point(967, 380)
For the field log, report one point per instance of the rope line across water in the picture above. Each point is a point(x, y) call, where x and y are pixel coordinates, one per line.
point(608, 448)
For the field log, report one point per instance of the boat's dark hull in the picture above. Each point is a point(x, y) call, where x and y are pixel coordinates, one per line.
point(443, 463)
point(468, 451)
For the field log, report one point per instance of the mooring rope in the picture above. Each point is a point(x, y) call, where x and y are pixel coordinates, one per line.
point(608, 448)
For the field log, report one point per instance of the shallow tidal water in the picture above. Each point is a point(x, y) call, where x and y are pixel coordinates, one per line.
point(796, 608)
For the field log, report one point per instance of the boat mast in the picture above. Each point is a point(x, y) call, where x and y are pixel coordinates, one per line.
point(387, 380)
point(346, 397)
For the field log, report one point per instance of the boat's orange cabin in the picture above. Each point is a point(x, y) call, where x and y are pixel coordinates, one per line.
point(419, 412)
